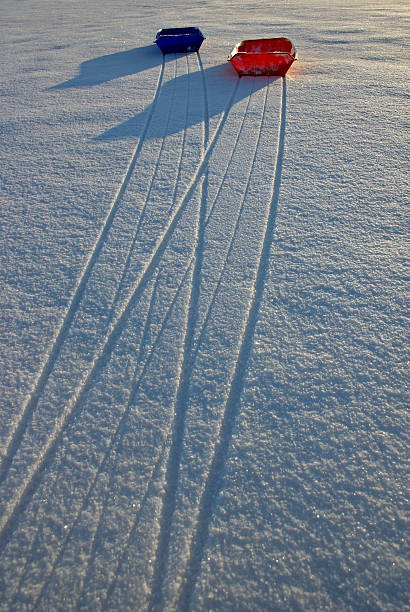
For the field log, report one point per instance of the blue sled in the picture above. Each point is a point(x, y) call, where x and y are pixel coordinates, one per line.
point(179, 40)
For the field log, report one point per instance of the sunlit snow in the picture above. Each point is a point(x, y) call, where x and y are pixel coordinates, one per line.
point(204, 322)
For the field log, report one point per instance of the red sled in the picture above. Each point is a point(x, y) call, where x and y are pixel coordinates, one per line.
point(263, 56)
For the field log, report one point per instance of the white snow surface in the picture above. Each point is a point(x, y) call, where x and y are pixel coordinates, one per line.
point(204, 309)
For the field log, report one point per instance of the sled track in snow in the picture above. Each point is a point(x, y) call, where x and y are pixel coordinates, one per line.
point(215, 475)
point(154, 472)
point(26, 490)
point(189, 356)
point(186, 366)
point(228, 165)
point(143, 364)
point(121, 559)
point(117, 436)
point(62, 331)
point(151, 186)
point(194, 293)
point(235, 232)
point(122, 307)
point(114, 443)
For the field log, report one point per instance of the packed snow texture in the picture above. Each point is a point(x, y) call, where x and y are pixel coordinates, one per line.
point(204, 322)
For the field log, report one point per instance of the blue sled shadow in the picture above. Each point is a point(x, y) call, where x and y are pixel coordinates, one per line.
point(219, 81)
point(114, 66)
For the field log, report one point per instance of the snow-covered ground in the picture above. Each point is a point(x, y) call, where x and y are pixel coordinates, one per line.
point(204, 309)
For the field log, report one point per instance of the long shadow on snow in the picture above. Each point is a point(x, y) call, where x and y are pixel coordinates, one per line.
point(219, 80)
point(113, 66)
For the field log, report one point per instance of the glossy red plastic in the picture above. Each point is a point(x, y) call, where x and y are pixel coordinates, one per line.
point(263, 56)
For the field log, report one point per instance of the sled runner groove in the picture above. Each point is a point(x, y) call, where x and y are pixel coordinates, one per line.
point(215, 475)
point(59, 338)
point(180, 407)
point(235, 232)
point(24, 493)
point(113, 445)
point(146, 199)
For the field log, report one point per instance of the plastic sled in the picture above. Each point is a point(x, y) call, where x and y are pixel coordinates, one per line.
point(179, 40)
point(264, 56)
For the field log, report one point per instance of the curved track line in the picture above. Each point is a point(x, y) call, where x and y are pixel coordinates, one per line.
point(114, 443)
point(163, 140)
point(206, 104)
point(87, 496)
point(100, 359)
point(215, 475)
point(231, 156)
point(141, 216)
point(135, 386)
point(152, 479)
point(29, 558)
point(235, 233)
point(46, 368)
point(148, 318)
point(182, 149)
point(180, 407)
point(146, 326)
point(142, 213)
